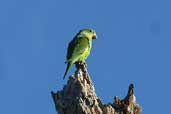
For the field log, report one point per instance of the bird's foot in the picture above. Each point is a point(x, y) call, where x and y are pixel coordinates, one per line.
point(81, 65)
point(78, 65)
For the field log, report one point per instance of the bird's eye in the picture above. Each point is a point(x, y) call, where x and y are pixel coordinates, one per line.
point(90, 30)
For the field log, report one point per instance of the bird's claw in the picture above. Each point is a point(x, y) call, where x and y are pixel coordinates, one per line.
point(81, 65)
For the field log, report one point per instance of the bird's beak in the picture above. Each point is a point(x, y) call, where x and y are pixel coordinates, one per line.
point(94, 36)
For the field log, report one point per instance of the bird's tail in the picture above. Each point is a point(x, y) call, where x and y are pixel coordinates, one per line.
point(69, 65)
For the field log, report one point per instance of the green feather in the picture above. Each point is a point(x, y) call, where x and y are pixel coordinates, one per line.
point(79, 48)
point(69, 65)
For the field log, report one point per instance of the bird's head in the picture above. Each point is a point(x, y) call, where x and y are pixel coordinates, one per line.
point(88, 32)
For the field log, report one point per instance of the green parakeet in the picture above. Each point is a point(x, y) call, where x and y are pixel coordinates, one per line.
point(79, 48)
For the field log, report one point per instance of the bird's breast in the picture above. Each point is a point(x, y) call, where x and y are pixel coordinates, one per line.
point(84, 55)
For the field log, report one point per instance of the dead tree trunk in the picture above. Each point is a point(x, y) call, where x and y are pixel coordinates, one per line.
point(78, 97)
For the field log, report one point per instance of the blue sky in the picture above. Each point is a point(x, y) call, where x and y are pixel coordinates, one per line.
point(133, 45)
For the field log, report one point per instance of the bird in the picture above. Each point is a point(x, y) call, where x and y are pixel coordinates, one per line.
point(79, 47)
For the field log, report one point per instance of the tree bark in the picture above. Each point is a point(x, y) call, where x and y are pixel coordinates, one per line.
point(79, 97)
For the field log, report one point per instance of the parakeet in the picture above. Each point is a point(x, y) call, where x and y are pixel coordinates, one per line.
point(79, 48)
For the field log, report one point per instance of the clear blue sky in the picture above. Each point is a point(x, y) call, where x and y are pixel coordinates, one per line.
point(134, 45)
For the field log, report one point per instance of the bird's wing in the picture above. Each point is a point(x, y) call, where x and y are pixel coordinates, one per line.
point(76, 47)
